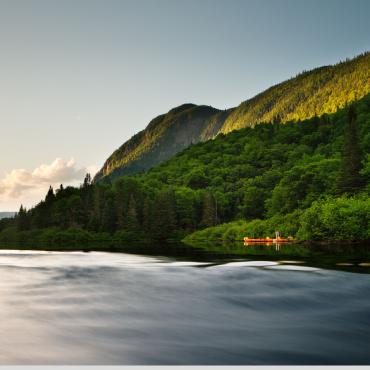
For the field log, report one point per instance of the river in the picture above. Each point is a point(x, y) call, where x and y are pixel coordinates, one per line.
point(120, 308)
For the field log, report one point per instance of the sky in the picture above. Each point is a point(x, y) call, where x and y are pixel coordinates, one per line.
point(80, 77)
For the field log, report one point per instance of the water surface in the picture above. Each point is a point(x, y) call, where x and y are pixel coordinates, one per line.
point(119, 308)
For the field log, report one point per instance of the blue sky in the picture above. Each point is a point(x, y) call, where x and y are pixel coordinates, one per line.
point(78, 78)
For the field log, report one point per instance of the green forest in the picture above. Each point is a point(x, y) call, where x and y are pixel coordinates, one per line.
point(308, 179)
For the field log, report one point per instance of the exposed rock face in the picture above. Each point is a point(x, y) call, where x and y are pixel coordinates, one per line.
point(165, 136)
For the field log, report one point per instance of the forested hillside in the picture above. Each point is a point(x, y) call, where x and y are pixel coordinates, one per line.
point(308, 178)
point(322, 90)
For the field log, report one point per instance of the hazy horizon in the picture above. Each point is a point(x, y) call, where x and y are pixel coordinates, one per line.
point(79, 78)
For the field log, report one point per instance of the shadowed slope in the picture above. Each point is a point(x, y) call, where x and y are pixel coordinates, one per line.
point(165, 136)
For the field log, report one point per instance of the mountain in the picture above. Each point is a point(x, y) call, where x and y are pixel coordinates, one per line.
point(165, 136)
point(6, 214)
point(322, 90)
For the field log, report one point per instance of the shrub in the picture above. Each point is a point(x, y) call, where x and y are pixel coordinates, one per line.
point(338, 219)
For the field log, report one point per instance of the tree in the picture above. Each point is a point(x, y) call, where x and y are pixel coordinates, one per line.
point(209, 211)
point(164, 220)
point(108, 222)
point(147, 215)
point(50, 196)
point(253, 202)
point(60, 190)
point(95, 208)
point(75, 211)
point(22, 219)
point(61, 214)
point(124, 189)
point(350, 179)
point(120, 204)
point(187, 212)
point(132, 220)
point(87, 181)
point(197, 179)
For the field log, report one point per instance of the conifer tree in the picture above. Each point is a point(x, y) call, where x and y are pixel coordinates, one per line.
point(75, 211)
point(109, 217)
point(98, 204)
point(22, 219)
point(119, 200)
point(50, 196)
point(60, 190)
point(164, 220)
point(209, 211)
point(132, 219)
point(350, 179)
point(87, 180)
point(147, 215)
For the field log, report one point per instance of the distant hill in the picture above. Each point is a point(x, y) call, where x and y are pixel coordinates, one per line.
point(6, 214)
point(322, 90)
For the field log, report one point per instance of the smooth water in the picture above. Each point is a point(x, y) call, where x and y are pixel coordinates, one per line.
point(117, 308)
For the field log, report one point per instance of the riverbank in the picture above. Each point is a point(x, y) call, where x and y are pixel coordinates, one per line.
point(55, 236)
point(339, 220)
point(334, 256)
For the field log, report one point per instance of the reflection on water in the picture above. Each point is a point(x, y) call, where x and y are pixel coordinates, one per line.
point(273, 244)
point(117, 308)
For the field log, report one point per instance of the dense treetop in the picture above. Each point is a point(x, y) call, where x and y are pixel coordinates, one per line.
point(322, 90)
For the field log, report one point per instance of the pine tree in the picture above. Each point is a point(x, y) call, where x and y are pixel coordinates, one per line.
point(125, 189)
point(75, 211)
point(22, 219)
point(60, 190)
point(61, 213)
point(147, 215)
point(164, 220)
point(87, 181)
point(349, 179)
point(120, 200)
point(99, 201)
point(132, 220)
point(209, 211)
point(109, 217)
point(50, 196)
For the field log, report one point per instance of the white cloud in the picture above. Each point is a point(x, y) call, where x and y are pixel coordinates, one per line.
point(24, 186)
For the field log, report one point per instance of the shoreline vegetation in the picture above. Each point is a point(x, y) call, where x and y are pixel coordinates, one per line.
point(343, 220)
